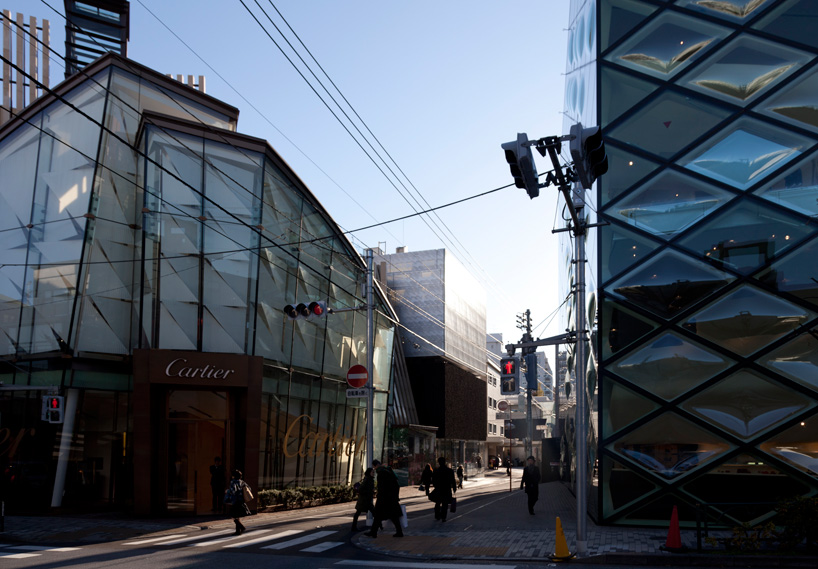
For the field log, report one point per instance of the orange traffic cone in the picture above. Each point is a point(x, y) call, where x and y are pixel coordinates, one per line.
point(674, 536)
point(561, 553)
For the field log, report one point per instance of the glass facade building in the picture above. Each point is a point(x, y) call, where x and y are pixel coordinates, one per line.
point(149, 251)
point(702, 288)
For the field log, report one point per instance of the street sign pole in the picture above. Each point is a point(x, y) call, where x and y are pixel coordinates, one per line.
point(370, 359)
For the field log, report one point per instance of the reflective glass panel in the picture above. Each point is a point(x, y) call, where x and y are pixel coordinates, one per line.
point(735, 10)
point(624, 170)
point(670, 365)
point(669, 123)
point(730, 483)
point(622, 92)
point(748, 319)
point(745, 69)
point(621, 327)
point(669, 283)
point(797, 446)
point(620, 248)
point(668, 204)
point(795, 20)
point(669, 446)
point(667, 45)
point(796, 273)
point(746, 403)
point(797, 188)
point(619, 17)
point(796, 103)
point(746, 236)
point(622, 485)
point(797, 360)
point(745, 152)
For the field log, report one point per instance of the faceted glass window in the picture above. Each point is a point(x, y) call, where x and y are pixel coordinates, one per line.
point(795, 274)
point(797, 360)
point(624, 170)
point(797, 103)
point(623, 92)
point(797, 188)
point(619, 17)
point(746, 404)
point(620, 248)
point(797, 446)
point(624, 486)
point(745, 152)
point(795, 20)
point(669, 283)
point(735, 10)
point(748, 319)
point(668, 204)
point(669, 123)
point(667, 45)
point(622, 407)
point(730, 483)
point(745, 68)
point(670, 446)
point(746, 236)
point(621, 327)
point(670, 365)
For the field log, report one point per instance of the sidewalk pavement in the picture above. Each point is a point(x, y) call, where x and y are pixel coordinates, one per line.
point(505, 532)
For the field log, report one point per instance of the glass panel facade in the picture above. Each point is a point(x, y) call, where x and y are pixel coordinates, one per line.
point(708, 381)
point(180, 236)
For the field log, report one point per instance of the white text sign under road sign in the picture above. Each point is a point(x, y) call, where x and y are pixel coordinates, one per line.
point(356, 393)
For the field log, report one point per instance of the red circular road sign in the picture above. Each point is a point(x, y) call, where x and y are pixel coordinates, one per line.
point(502, 405)
point(357, 376)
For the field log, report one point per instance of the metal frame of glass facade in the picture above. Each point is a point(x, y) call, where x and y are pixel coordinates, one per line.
point(135, 217)
point(703, 282)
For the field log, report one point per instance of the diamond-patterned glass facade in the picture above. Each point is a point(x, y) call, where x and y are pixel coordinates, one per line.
point(708, 296)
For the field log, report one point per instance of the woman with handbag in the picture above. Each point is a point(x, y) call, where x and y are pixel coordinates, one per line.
point(366, 496)
point(238, 493)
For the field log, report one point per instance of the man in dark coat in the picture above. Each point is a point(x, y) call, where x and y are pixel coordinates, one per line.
point(387, 506)
point(218, 481)
point(531, 483)
point(445, 486)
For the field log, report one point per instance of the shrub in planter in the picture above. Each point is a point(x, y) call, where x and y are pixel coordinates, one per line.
point(798, 519)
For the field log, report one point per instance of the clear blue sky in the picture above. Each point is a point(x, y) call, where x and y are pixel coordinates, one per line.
point(440, 83)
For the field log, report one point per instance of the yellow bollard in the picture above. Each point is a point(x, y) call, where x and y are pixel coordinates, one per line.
point(561, 553)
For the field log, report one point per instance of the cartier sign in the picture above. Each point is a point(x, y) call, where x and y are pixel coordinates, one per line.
point(181, 368)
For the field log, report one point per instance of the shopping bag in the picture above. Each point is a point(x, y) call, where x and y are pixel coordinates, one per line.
point(369, 519)
point(404, 521)
point(248, 494)
point(453, 506)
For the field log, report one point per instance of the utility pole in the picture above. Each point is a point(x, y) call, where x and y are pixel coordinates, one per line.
point(370, 357)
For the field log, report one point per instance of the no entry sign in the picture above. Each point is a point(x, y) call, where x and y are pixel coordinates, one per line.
point(357, 376)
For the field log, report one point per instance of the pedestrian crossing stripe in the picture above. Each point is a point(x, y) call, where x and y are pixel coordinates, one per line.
point(279, 535)
point(219, 541)
point(154, 539)
point(195, 537)
point(419, 565)
point(322, 547)
point(43, 548)
point(18, 555)
point(300, 540)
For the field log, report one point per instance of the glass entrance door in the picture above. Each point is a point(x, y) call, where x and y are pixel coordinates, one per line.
point(198, 432)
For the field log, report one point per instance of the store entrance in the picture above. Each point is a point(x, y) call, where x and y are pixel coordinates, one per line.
point(198, 430)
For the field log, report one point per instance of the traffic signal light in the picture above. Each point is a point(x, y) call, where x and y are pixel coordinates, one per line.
point(509, 376)
point(53, 408)
point(521, 163)
point(588, 152)
point(315, 309)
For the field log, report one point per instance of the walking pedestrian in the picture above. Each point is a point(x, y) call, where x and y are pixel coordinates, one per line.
point(366, 495)
point(218, 481)
point(238, 507)
point(387, 506)
point(531, 483)
point(426, 477)
point(459, 475)
point(445, 488)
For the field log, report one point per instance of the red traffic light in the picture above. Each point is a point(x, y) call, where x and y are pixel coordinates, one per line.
point(508, 367)
point(317, 308)
point(53, 403)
